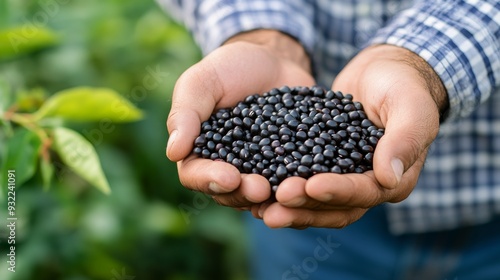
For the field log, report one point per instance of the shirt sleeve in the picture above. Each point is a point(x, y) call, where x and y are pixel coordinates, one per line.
point(460, 40)
point(213, 22)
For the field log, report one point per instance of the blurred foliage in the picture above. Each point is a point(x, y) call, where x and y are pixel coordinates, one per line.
point(149, 227)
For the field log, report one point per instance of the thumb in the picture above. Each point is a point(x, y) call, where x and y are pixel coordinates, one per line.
point(408, 134)
point(193, 101)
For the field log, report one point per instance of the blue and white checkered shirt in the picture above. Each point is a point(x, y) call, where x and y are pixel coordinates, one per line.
point(460, 183)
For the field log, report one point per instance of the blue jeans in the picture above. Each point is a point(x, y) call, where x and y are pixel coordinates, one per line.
point(367, 250)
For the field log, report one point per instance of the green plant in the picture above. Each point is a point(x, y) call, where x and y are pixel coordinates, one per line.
point(32, 136)
point(140, 230)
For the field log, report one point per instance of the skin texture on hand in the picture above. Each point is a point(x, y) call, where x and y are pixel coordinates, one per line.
point(400, 93)
point(223, 78)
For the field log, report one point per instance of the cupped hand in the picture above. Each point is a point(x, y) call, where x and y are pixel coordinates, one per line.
point(223, 78)
point(401, 93)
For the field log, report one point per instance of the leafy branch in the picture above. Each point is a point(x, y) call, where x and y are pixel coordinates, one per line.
point(30, 136)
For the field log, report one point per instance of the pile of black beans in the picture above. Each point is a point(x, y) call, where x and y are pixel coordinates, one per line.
point(299, 131)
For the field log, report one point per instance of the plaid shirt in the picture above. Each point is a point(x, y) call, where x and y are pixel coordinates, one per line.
point(460, 182)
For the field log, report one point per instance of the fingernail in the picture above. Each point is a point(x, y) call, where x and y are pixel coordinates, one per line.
point(216, 188)
point(397, 168)
point(299, 201)
point(261, 210)
point(327, 197)
point(171, 140)
point(287, 225)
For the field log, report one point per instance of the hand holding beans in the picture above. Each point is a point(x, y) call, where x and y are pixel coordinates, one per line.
point(394, 95)
point(220, 80)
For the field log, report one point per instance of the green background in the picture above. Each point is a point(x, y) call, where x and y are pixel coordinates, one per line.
point(149, 227)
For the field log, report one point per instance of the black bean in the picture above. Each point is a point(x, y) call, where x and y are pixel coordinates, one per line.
point(373, 140)
point(303, 149)
point(316, 168)
point(348, 146)
point(223, 153)
point(267, 173)
point(317, 149)
point(339, 119)
point(343, 153)
point(366, 123)
point(292, 167)
point(367, 149)
point(289, 147)
point(309, 143)
point(301, 135)
point(297, 131)
point(275, 143)
point(319, 158)
point(264, 142)
point(303, 171)
point(343, 163)
point(279, 150)
point(197, 150)
point(336, 169)
point(244, 154)
point(211, 145)
point(268, 154)
point(302, 127)
point(281, 172)
point(306, 160)
point(356, 156)
point(254, 148)
point(297, 155)
point(205, 153)
point(200, 140)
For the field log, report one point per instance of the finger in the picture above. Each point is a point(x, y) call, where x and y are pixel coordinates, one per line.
point(346, 190)
point(208, 176)
point(278, 216)
point(408, 134)
point(341, 191)
point(394, 98)
point(409, 181)
point(411, 124)
point(259, 209)
point(291, 192)
point(253, 189)
point(194, 98)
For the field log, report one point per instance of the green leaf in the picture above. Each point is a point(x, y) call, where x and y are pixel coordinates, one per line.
point(25, 39)
point(21, 155)
point(80, 156)
point(89, 104)
point(47, 172)
point(5, 96)
point(30, 100)
point(5, 102)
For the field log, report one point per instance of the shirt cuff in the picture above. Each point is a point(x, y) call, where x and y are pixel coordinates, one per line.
point(217, 21)
point(459, 43)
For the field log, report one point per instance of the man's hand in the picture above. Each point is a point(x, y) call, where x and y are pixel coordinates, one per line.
point(248, 63)
point(401, 93)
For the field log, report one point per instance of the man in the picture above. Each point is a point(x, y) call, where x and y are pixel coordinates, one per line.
point(419, 68)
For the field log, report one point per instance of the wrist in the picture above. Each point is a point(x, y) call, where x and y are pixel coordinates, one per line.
point(430, 79)
point(279, 43)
